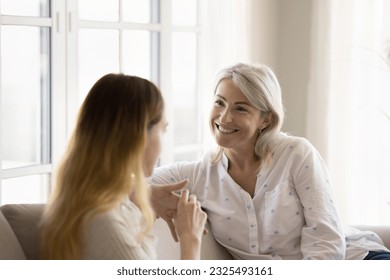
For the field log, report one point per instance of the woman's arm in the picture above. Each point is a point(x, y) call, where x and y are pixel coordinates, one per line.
point(164, 202)
point(165, 183)
point(322, 235)
point(190, 222)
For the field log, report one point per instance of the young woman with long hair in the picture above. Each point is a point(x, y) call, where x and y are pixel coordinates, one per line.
point(100, 207)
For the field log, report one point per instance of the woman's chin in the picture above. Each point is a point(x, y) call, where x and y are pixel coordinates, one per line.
point(221, 143)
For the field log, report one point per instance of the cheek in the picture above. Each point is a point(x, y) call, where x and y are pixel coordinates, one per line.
point(155, 146)
point(213, 115)
point(253, 127)
point(152, 150)
point(158, 144)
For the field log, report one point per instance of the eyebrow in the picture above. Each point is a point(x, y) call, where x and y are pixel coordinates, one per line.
point(239, 102)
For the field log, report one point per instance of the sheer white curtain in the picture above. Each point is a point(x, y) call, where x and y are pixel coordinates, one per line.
point(233, 31)
point(224, 37)
point(349, 104)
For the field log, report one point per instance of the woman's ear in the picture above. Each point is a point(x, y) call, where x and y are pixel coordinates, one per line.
point(267, 120)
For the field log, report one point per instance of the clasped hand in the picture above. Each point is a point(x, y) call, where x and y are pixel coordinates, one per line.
point(182, 213)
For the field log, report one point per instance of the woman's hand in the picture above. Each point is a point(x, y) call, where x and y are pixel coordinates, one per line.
point(189, 221)
point(164, 203)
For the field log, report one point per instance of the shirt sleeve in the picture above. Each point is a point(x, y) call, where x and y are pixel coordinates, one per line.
point(322, 235)
point(176, 172)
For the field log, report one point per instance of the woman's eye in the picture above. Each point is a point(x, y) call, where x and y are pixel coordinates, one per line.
point(218, 103)
point(241, 109)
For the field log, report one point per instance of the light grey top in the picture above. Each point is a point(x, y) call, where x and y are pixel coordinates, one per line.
point(117, 235)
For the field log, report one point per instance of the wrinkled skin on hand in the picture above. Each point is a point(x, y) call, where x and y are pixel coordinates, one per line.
point(165, 203)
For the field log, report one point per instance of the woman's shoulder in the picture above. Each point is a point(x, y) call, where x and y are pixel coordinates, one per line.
point(294, 143)
point(124, 216)
point(123, 222)
point(118, 234)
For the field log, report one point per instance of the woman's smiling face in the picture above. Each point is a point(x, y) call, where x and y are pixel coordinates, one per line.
point(234, 122)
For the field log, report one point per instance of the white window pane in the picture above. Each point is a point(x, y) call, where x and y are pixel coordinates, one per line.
point(184, 88)
point(137, 11)
point(35, 8)
point(137, 53)
point(26, 189)
point(98, 55)
point(104, 10)
point(184, 12)
point(25, 85)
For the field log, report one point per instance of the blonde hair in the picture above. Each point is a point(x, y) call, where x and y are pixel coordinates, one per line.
point(103, 163)
point(261, 87)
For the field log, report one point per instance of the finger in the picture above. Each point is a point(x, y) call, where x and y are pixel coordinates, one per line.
point(178, 188)
point(180, 185)
point(177, 193)
point(192, 198)
point(184, 197)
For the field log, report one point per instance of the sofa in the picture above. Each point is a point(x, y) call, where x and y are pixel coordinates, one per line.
point(19, 236)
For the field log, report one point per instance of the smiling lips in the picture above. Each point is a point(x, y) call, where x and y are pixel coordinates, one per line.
point(224, 129)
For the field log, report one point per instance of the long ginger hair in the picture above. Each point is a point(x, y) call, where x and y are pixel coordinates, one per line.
point(103, 163)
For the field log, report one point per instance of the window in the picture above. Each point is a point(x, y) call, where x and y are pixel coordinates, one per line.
point(51, 54)
point(185, 96)
point(157, 40)
point(25, 101)
point(113, 40)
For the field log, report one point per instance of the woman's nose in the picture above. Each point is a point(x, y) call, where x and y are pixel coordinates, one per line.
point(226, 116)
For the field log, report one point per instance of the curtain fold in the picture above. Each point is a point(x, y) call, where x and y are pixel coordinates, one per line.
point(349, 104)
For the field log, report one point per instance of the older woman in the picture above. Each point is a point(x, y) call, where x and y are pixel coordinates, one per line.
point(267, 194)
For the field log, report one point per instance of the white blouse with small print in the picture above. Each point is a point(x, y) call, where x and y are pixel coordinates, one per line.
point(292, 214)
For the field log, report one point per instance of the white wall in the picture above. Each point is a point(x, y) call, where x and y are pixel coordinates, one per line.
point(281, 40)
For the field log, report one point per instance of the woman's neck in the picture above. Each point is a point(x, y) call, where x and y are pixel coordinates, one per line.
point(242, 160)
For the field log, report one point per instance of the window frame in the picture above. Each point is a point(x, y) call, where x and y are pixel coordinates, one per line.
point(64, 96)
point(57, 100)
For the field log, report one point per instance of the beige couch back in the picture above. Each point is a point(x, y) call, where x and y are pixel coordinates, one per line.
point(24, 222)
point(19, 238)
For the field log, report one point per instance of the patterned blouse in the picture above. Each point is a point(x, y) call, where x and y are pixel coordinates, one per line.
point(292, 214)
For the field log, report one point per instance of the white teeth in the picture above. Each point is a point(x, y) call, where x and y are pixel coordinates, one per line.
point(225, 130)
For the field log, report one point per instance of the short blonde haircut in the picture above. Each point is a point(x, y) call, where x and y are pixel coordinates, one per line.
point(261, 87)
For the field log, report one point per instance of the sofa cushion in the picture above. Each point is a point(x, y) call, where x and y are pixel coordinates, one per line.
point(383, 232)
point(9, 246)
point(24, 220)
